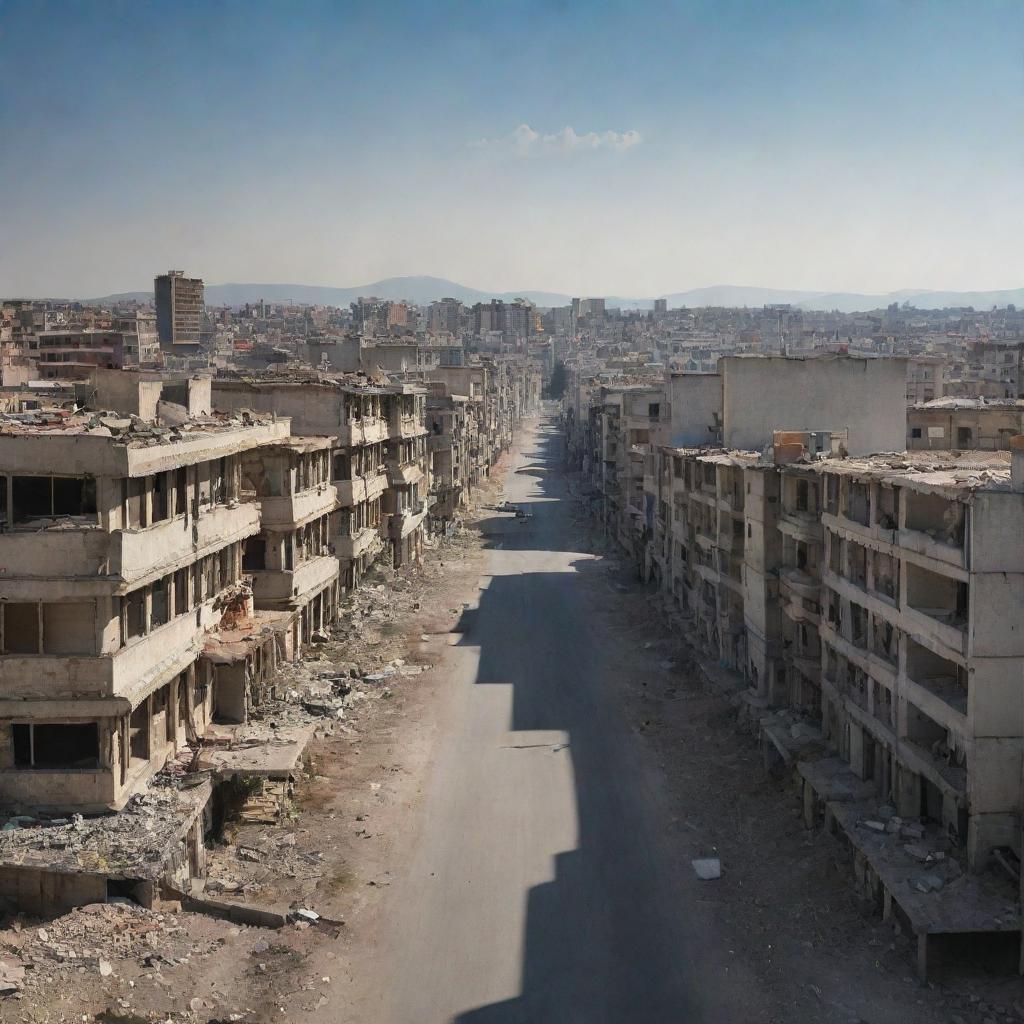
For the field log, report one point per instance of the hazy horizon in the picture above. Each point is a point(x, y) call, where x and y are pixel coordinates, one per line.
point(819, 147)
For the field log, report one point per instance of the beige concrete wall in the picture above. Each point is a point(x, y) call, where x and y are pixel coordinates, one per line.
point(696, 407)
point(867, 397)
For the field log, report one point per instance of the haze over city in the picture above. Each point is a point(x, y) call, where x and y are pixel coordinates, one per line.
point(639, 150)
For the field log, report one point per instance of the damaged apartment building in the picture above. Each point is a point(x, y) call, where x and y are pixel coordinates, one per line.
point(375, 442)
point(123, 546)
point(168, 543)
point(859, 600)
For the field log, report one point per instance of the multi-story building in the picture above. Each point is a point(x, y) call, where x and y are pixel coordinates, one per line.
point(291, 562)
point(136, 555)
point(354, 414)
point(72, 354)
point(451, 433)
point(180, 306)
point(141, 342)
point(965, 424)
point(405, 505)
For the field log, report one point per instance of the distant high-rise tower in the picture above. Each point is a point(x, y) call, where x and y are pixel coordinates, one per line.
point(180, 305)
point(660, 306)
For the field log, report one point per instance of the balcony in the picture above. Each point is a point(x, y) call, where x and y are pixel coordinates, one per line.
point(800, 583)
point(363, 431)
point(405, 522)
point(406, 426)
point(361, 488)
point(292, 588)
point(404, 475)
point(127, 556)
point(805, 526)
point(360, 542)
point(295, 509)
point(115, 682)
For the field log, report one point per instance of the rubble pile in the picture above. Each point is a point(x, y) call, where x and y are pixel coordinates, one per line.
point(96, 939)
point(132, 843)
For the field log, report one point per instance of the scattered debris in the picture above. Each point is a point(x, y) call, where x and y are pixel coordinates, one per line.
point(707, 868)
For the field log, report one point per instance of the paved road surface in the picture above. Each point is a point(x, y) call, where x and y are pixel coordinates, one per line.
point(539, 891)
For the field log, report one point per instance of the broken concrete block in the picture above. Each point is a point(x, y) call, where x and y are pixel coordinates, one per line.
point(917, 852)
point(875, 826)
point(707, 868)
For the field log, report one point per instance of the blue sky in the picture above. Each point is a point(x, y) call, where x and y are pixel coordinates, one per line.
point(861, 146)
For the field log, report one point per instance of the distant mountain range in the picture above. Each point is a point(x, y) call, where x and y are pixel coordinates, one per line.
point(427, 289)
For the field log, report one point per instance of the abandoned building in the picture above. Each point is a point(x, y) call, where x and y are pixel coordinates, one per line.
point(856, 604)
point(137, 536)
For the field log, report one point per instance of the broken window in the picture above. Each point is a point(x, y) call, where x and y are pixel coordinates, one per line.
point(160, 605)
point(56, 746)
point(161, 498)
point(181, 602)
point(832, 494)
point(255, 556)
point(857, 556)
point(887, 574)
point(134, 611)
point(180, 491)
point(48, 497)
point(801, 495)
point(21, 627)
point(138, 733)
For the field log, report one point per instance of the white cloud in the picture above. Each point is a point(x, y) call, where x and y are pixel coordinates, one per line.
point(524, 141)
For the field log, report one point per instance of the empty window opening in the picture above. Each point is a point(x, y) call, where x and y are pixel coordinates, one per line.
point(161, 498)
point(138, 733)
point(21, 628)
point(180, 491)
point(160, 605)
point(181, 602)
point(134, 606)
point(56, 746)
point(802, 491)
point(255, 557)
point(49, 497)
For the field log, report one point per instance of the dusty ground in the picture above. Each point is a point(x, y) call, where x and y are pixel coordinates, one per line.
point(785, 910)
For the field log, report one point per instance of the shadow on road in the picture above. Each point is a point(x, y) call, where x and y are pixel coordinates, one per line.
point(603, 943)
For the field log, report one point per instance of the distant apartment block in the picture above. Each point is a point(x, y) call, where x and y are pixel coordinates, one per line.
point(180, 307)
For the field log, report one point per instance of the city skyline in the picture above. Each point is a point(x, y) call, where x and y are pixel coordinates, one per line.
point(648, 149)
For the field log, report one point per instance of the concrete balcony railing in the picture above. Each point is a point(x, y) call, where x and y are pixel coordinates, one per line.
point(358, 543)
point(295, 509)
point(405, 522)
point(800, 583)
point(45, 554)
point(293, 587)
point(126, 675)
point(125, 555)
point(363, 431)
point(404, 475)
point(361, 488)
point(406, 426)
